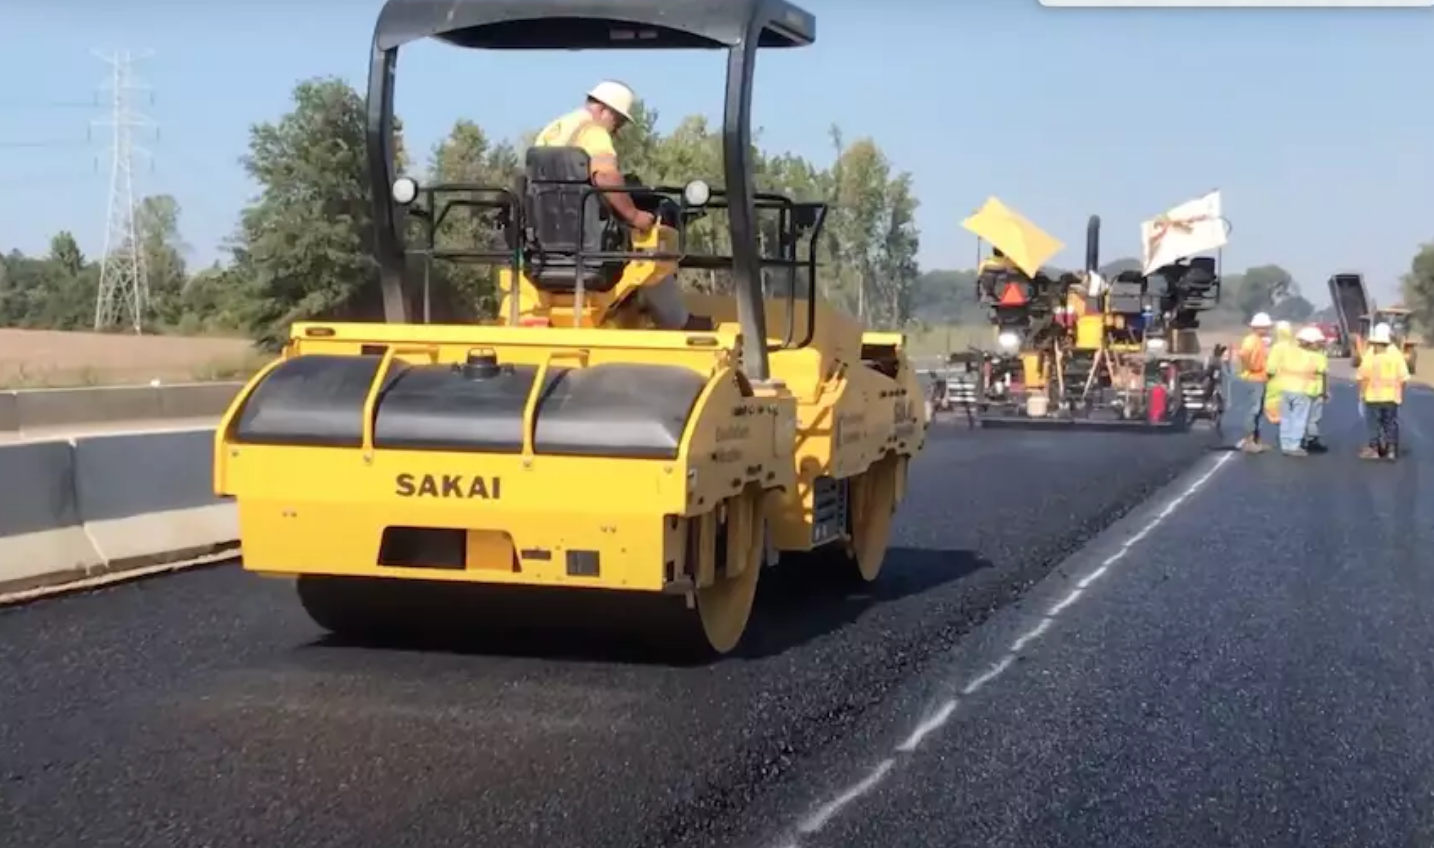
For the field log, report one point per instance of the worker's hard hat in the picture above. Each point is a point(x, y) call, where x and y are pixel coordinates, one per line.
point(1261, 321)
point(1310, 335)
point(615, 96)
point(1380, 334)
point(1284, 327)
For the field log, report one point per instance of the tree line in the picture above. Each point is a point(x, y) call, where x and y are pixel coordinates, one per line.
point(1417, 288)
point(303, 248)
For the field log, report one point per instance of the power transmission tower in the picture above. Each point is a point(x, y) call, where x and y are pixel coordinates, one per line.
point(124, 285)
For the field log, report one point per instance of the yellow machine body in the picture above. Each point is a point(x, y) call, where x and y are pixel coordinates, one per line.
point(860, 417)
point(1090, 331)
point(526, 516)
point(592, 513)
point(1033, 369)
point(613, 309)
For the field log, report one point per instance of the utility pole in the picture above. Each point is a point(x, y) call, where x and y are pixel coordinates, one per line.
point(124, 286)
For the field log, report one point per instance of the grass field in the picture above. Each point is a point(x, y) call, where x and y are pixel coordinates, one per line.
point(37, 359)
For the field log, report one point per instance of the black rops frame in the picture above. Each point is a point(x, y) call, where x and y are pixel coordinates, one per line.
point(739, 26)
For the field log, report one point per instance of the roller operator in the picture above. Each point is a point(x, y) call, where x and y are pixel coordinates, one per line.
point(592, 127)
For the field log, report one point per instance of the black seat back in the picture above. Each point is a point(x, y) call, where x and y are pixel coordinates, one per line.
point(557, 217)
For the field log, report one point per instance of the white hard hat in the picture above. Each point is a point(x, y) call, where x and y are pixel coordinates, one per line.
point(1261, 321)
point(615, 96)
point(1284, 326)
point(1380, 334)
point(1310, 335)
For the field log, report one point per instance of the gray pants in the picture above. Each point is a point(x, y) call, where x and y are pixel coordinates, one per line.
point(664, 304)
point(1316, 413)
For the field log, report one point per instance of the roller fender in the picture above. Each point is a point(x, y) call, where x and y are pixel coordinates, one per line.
point(630, 410)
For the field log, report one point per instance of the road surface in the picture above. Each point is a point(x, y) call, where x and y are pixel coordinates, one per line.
point(1248, 660)
point(205, 709)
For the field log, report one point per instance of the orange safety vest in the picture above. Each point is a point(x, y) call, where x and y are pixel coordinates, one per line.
point(1382, 376)
point(1253, 358)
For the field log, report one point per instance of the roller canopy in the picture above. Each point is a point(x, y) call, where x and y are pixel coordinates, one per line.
point(593, 24)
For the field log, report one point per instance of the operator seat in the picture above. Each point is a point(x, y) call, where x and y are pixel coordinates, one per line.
point(558, 219)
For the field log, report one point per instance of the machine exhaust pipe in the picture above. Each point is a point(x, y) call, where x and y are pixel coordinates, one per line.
point(1092, 244)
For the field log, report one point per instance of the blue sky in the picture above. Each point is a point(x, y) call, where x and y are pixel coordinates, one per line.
point(1315, 123)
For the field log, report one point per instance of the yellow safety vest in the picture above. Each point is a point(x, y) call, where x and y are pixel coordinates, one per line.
point(1277, 353)
point(1253, 359)
point(1382, 376)
point(1298, 371)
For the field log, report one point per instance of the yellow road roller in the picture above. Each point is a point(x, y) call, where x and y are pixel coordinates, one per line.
point(572, 444)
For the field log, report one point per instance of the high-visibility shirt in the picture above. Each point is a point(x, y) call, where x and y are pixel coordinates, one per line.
point(1253, 359)
point(1323, 359)
point(1273, 360)
point(1298, 371)
point(1382, 375)
point(578, 129)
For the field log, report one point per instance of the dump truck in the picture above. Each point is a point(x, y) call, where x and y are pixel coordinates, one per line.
point(1357, 314)
point(1351, 303)
point(574, 445)
point(1076, 350)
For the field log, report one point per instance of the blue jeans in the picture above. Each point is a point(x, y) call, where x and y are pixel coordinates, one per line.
point(1382, 419)
point(1294, 417)
point(1246, 400)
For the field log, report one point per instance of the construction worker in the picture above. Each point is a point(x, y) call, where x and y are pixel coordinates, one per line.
point(1313, 336)
point(1381, 376)
point(997, 261)
point(1251, 376)
point(1295, 370)
point(1284, 341)
point(608, 109)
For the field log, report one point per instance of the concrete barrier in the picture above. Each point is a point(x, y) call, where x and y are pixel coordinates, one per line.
point(75, 508)
point(42, 538)
point(9, 412)
point(150, 495)
point(38, 409)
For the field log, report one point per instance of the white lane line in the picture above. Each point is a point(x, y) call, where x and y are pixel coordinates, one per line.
point(931, 724)
point(824, 814)
point(1065, 602)
point(1031, 635)
point(995, 671)
point(819, 819)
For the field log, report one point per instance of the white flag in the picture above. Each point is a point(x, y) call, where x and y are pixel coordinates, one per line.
point(1192, 228)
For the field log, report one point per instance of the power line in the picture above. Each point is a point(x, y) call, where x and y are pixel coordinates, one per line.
point(11, 103)
point(39, 143)
point(124, 283)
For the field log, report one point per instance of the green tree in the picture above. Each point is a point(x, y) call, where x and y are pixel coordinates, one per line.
point(946, 297)
point(1417, 288)
point(162, 252)
point(309, 238)
point(1292, 308)
point(897, 255)
point(465, 290)
point(1258, 289)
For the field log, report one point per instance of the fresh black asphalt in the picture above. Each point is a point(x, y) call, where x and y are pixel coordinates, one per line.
point(205, 709)
point(1256, 670)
